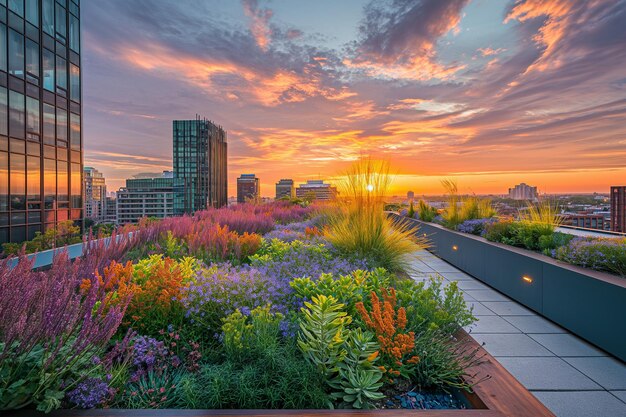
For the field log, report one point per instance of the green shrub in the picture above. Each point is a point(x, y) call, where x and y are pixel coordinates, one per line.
point(600, 254)
point(347, 289)
point(154, 390)
point(411, 212)
point(433, 306)
point(246, 336)
point(344, 357)
point(463, 209)
point(426, 212)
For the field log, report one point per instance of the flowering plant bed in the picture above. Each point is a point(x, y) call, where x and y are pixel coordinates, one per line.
point(586, 302)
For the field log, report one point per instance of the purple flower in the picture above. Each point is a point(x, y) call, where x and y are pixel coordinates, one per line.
point(89, 394)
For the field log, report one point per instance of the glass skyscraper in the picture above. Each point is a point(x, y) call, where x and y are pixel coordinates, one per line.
point(40, 116)
point(200, 166)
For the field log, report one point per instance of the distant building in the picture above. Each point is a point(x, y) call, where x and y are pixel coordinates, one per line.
point(523, 192)
point(316, 190)
point(111, 210)
point(95, 194)
point(200, 165)
point(248, 188)
point(285, 189)
point(145, 197)
point(410, 196)
point(618, 208)
point(584, 220)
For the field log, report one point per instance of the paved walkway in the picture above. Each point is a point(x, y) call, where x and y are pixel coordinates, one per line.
point(571, 377)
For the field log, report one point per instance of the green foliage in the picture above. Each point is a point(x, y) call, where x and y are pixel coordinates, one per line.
point(153, 390)
point(246, 336)
point(426, 212)
point(344, 357)
point(277, 378)
point(433, 306)
point(347, 289)
point(65, 233)
point(411, 212)
point(529, 235)
point(443, 361)
point(275, 250)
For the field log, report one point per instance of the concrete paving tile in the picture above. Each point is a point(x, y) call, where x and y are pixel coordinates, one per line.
point(582, 403)
point(492, 324)
point(534, 324)
point(472, 285)
point(480, 309)
point(458, 276)
point(608, 372)
point(516, 344)
point(567, 345)
point(549, 373)
point(508, 308)
point(487, 295)
point(467, 297)
point(621, 395)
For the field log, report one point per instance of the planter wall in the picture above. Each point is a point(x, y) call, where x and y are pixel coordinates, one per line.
point(588, 303)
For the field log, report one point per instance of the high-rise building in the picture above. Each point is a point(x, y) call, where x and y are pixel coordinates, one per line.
point(40, 116)
point(145, 197)
point(200, 165)
point(111, 210)
point(285, 189)
point(523, 192)
point(410, 196)
point(95, 194)
point(316, 190)
point(248, 188)
point(618, 208)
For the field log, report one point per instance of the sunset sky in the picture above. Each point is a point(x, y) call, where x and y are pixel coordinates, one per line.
point(489, 92)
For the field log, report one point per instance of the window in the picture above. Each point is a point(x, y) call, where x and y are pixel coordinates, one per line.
point(61, 73)
point(48, 70)
point(4, 181)
point(47, 16)
point(33, 128)
point(33, 178)
point(77, 189)
point(49, 124)
point(17, 7)
point(32, 61)
point(4, 106)
point(16, 54)
point(74, 34)
point(75, 131)
point(16, 114)
point(62, 177)
point(75, 83)
point(62, 127)
point(18, 181)
point(32, 12)
point(3, 47)
point(49, 183)
point(61, 26)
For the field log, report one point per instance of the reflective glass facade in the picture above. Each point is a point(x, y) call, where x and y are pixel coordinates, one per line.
point(200, 166)
point(40, 116)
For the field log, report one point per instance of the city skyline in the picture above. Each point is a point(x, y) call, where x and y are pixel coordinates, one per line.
point(492, 94)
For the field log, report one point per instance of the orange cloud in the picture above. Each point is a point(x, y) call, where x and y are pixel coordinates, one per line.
point(490, 51)
point(259, 23)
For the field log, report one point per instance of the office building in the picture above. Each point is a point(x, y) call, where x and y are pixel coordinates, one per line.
point(618, 208)
point(410, 196)
point(316, 190)
point(110, 215)
point(40, 117)
point(95, 195)
point(145, 197)
point(248, 188)
point(200, 165)
point(285, 189)
point(523, 192)
point(584, 220)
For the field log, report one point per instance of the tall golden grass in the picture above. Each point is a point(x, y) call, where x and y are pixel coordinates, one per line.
point(360, 227)
point(461, 209)
point(545, 214)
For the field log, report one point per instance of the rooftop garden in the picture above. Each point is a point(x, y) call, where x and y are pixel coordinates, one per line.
point(535, 229)
point(254, 306)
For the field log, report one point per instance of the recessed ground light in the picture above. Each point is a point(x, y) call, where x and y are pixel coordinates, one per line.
point(527, 279)
point(455, 247)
